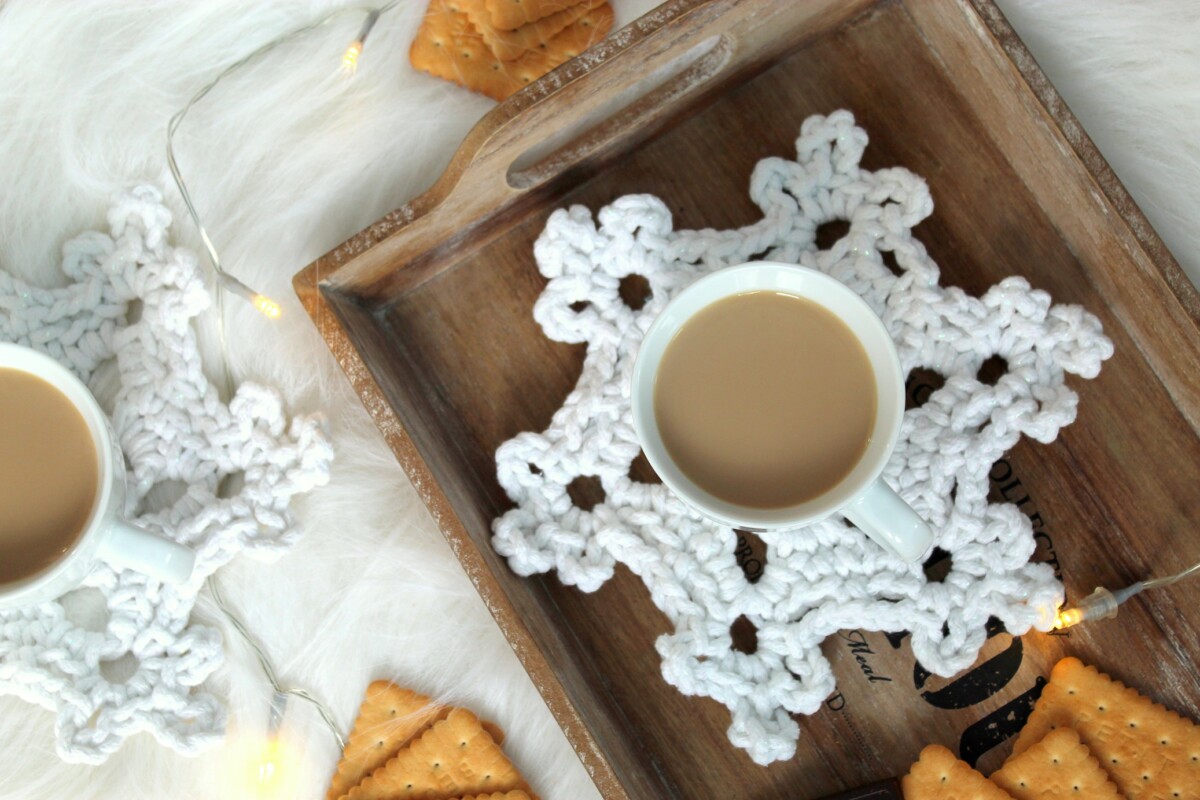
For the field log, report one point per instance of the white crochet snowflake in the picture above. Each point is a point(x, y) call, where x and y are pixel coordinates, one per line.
point(141, 669)
point(826, 576)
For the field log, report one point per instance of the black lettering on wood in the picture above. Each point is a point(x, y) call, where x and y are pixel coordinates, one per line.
point(1003, 723)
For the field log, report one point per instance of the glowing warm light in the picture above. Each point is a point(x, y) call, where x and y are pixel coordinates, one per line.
point(1068, 617)
point(268, 768)
point(263, 304)
point(268, 307)
point(262, 768)
point(350, 59)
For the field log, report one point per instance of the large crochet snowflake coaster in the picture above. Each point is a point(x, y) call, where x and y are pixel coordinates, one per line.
point(137, 665)
point(826, 576)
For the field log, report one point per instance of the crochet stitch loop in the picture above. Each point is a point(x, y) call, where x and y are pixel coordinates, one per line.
point(825, 576)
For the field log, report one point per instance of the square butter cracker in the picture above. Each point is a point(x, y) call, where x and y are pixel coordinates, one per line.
point(446, 46)
point(388, 719)
point(511, 45)
point(1148, 751)
point(456, 757)
point(508, 15)
point(939, 775)
point(514, 795)
point(1058, 766)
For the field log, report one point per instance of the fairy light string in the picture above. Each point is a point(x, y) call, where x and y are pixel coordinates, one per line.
point(281, 693)
point(225, 281)
point(1103, 603)
point(266, 777)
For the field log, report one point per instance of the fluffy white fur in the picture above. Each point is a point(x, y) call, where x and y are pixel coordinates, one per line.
point(286, 161)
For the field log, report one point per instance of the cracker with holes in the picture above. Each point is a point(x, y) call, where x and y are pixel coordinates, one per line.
point(1058, 766)
point(514, 795)
point(388, 719)
point(448, 47)
point(456, 757)
point(939, 775)
point(511, 45)
point(508, 15)
point(1148, 751)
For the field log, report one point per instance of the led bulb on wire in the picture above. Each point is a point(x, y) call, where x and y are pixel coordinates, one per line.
point(261, 767)
point(1067, 617)
point(263, 304)
point(1102, 604)
point(269, 773)
point(270, 763)
point(350, 58)
point(266, 306)
point(263, 764)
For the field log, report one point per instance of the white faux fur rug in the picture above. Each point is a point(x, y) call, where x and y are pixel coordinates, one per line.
point(286, 161)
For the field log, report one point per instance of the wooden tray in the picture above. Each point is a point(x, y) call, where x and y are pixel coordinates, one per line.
point(429, 313)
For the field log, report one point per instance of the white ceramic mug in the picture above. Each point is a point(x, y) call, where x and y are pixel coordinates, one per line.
point(862, 496)
point(105, 536)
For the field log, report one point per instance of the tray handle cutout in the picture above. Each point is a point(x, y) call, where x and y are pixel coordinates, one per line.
point(633, 106)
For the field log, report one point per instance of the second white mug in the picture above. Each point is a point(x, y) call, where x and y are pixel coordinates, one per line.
point(105, 536)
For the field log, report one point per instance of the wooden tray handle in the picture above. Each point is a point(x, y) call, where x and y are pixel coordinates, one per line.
point(609, 98)
point(627, 82)
point(635, 106)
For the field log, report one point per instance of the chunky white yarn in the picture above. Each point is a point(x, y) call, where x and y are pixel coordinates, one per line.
point(172, 426)
point(826, 576)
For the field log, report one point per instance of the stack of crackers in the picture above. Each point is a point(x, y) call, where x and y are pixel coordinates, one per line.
point(495, 47)
point(405, 746)
point(1089, 737)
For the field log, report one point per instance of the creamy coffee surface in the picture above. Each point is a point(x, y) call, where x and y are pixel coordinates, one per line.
point(765, 400)
point(48, 475)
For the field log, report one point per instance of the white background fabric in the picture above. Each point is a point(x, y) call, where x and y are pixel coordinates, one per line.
point(287, 161)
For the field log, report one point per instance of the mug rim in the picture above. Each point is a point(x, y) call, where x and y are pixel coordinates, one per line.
point(33, 362)
point(784, 278)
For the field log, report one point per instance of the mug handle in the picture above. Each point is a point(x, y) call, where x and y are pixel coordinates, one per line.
point(150, 554)
point(881, 514)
